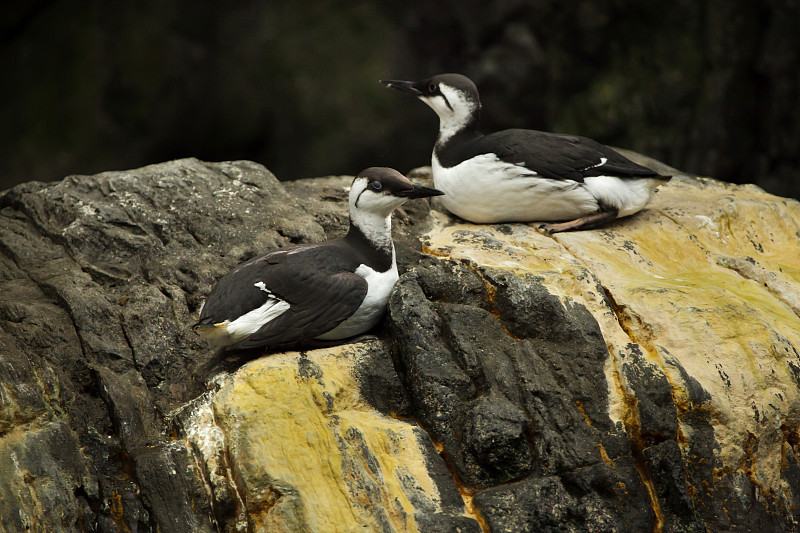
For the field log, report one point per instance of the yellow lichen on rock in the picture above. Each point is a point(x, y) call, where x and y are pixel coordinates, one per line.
point(309, 455)
point(705, 280)
point(676, 295)
point(522, 250)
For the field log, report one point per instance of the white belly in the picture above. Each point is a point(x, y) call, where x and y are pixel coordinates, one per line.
point(371, 310)
point(485, 190)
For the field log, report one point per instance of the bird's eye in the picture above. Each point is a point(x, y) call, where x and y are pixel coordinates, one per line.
point(432, 88)
point(377, 185)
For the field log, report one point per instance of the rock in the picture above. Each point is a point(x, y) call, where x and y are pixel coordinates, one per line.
point(100, 278)
point(670, 337)
point(642, 376)
point(295, 447)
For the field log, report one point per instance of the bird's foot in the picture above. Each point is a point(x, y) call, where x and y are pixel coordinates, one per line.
point(589, 221)
point(364, 338)
point(545, 229)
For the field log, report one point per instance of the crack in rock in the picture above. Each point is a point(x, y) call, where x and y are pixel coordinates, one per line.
point(749, 268)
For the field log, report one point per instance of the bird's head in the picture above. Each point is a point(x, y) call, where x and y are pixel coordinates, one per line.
point(380, 190)
point(452, 96)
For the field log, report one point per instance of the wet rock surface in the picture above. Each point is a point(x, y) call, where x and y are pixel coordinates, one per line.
point(639, 377)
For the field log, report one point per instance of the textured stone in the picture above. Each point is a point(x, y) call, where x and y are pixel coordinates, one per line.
point(695, 300)
point(100, 277)
point(41, 468)
point(303, 451)
point(642, 376)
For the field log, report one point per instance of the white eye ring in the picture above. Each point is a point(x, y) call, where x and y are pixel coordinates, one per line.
point(377, 185)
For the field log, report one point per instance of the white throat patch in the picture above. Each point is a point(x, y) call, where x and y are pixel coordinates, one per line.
point(451, 121)
point(373, 215)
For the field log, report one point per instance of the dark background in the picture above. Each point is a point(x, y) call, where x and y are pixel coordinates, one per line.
point(710, 87)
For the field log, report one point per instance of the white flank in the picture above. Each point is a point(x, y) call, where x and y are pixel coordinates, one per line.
point(252, 321)
point(372, 308)
point(485, 189)
point(627, 195)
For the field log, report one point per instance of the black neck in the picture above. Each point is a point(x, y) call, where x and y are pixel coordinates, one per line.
point(458, 147)
point(377, 255)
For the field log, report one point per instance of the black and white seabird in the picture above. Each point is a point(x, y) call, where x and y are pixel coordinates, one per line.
point(521, 175)
point(328, 291)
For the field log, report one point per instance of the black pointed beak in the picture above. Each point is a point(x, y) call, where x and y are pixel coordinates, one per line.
point(419, 192)
point(402, 86)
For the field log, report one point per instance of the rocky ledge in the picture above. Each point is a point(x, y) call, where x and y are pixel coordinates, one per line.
point(640, 377)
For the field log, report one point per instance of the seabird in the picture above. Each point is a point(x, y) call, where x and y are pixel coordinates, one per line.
point(328, 291)
point(521, 175)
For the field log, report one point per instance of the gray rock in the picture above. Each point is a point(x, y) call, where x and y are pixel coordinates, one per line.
point(509, 400)
point(101, 277)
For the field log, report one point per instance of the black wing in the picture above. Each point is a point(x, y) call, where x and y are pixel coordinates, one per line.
point(561, 157)
point(319, 297)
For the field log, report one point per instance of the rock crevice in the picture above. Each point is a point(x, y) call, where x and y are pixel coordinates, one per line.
point(639, 377)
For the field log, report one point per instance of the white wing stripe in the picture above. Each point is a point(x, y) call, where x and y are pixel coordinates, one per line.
point(263, 287)
point(603, 161)
point(252, 321)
